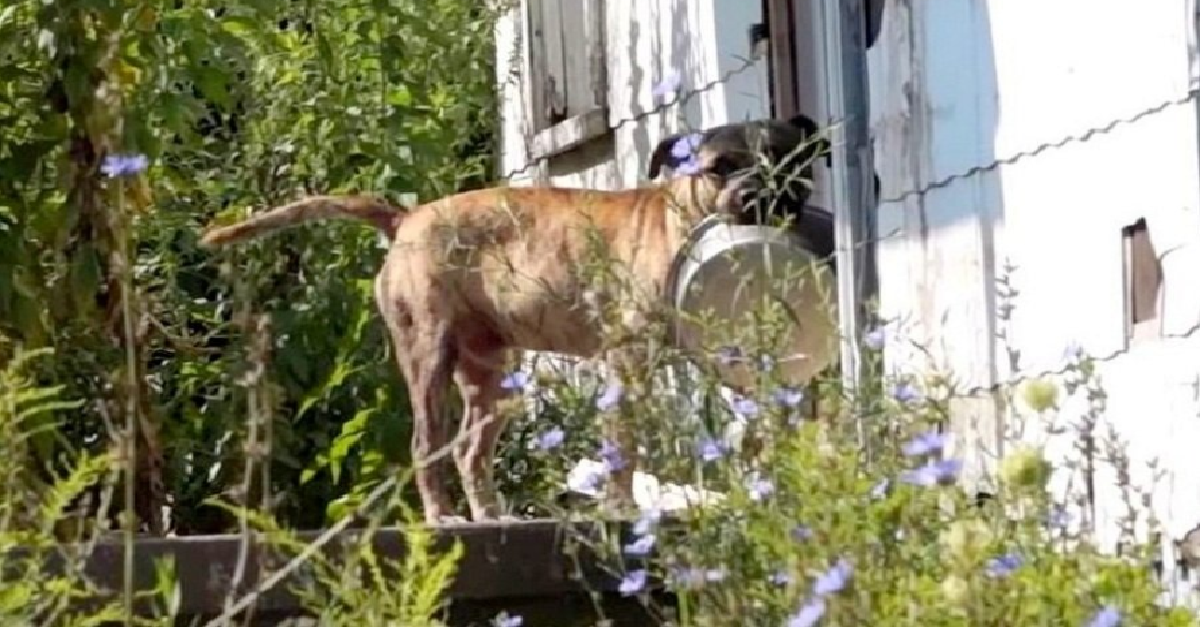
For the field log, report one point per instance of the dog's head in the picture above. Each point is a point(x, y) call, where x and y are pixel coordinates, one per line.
point(763, 168)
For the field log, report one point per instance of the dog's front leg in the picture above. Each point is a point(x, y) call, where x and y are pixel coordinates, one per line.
point(620, 451)
point(630, 349)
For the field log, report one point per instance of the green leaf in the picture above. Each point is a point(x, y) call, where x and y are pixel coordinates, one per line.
point(241, 25)
point(213, 83)
point(351, 434)
point(7, 14)
point(400, 96)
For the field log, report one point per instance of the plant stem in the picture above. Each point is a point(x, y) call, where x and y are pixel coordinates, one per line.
point(123, 236)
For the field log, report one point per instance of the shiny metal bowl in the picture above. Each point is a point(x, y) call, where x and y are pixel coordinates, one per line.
point(726, 274)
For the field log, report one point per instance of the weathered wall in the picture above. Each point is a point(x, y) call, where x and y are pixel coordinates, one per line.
point(960, 83)
point(645, 42)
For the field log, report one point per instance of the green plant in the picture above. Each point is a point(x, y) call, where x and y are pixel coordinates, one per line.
point(235, 105)
point(345, 582)
point(42, 513)
point(813, 529)
point(862, 516)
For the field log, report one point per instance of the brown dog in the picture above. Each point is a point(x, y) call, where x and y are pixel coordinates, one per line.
point(475, 276)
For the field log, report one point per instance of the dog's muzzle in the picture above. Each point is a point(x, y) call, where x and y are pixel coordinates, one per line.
point(751, 201)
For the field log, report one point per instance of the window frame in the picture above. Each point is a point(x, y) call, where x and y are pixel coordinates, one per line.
point(552, 137)
point(1142, 283)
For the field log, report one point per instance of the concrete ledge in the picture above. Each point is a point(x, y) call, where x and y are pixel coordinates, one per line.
point(504, 566)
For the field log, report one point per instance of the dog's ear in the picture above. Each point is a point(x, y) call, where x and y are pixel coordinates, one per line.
point(804, 123)
point(662, 154)
point(820, 146)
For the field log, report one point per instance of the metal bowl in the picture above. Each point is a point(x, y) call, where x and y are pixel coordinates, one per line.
point(726, 276)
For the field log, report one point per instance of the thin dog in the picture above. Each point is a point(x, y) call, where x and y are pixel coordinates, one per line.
point(473, 277)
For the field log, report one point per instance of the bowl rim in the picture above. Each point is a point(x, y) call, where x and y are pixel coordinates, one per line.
point(721, 221)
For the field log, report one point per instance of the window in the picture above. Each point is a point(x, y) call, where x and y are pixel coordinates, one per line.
point(569, 87)
point(780, 31)
point(1143, 282)
point(785, 24)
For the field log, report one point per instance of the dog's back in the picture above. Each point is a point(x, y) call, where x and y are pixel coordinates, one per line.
point(536, 265)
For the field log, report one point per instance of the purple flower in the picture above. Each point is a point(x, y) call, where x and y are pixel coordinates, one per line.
point(710, 449)
point(551, 438)
point(808, 615)
point(123, 165)
point(516, 380)
point(906, 393)
point(933, 472)
point(760, 488)
point(683, 152)
point(685, 147)
point(688, 168)
point(611, 455)
point(504, 619)
point(1106, 617)
point(780, 577)
point(609, 398)
point(641, 546)
point(646, 521)
point(875, 339)
point(925, 443)
point(788, 397)
point(1059, 517)
point(1002, 566)
point(801, 533)
point(833, 580)
point(669, 85)
point(633, 582)
point(879, 491)
point(744, 407)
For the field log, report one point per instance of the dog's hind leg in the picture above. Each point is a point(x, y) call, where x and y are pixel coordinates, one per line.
point(426, 358)
point(479, 376)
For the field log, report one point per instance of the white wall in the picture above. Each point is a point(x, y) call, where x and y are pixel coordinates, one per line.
point(959, 83)
point(646, 40)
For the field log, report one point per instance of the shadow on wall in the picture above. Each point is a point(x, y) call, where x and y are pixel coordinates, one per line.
point(935, 113)
point(1194, 58)
point(678, 56)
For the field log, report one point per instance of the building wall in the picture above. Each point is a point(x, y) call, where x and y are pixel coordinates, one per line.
point(645, 42)
point(958, 84)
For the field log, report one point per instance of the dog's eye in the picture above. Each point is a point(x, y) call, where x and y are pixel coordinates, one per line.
point(722, 167)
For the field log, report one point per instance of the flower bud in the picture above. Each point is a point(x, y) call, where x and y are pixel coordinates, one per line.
point(1040, 395)
point(957, 591)
point(1025, 468)
point(966, 537)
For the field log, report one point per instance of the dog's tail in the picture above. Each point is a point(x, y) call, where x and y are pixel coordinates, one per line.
point(376, 211)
